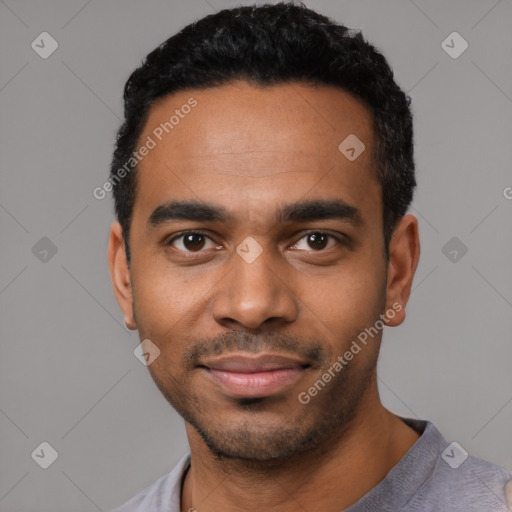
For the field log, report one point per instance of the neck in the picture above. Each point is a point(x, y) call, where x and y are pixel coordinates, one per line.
point(345, 468)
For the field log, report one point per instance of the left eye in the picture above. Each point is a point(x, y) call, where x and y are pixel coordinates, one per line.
point(317, 241)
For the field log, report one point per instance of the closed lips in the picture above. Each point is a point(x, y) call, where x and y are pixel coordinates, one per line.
point(239, 364)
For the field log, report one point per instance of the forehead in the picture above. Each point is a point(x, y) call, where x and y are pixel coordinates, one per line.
point(257, 143)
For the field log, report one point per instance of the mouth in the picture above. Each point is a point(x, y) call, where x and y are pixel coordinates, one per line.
point(250, 376)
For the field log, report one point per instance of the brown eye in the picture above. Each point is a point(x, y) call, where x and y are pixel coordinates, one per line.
point(193, 241)
point(316, 241)
point(190, 241)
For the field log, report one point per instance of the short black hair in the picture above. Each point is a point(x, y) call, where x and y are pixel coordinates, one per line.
point(271, 45)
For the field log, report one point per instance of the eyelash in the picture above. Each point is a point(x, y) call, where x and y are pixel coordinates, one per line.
point(340, 239)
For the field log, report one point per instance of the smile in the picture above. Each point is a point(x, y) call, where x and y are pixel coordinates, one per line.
point(253, 377)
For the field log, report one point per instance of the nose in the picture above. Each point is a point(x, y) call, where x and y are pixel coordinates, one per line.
point(253, 293)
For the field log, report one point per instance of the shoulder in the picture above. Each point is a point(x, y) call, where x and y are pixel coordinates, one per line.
point(144, 500)
point(163, 495)
point(449, 479)
point(473, 486)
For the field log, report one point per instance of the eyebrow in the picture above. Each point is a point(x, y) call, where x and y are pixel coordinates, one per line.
point(301, 211)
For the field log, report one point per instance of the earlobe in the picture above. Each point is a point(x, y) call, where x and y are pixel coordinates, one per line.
point(120, 274)
point(404, 253)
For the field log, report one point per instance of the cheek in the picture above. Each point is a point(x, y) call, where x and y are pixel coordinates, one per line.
point(169, 300)
point(344, 303)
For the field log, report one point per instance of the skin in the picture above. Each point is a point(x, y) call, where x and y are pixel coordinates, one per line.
point(252, 150)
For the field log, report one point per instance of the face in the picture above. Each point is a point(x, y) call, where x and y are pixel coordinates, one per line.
point(257, 259)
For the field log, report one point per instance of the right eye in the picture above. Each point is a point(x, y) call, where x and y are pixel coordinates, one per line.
point(190, 241)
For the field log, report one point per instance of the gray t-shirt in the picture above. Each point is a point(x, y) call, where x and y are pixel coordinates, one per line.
point(433, 476)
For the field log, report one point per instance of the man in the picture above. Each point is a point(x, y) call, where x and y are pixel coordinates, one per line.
point(261, 182)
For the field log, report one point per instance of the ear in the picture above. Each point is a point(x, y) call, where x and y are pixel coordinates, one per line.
point(120, 274)
point(404, 254)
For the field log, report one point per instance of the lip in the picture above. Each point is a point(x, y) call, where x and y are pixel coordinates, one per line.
point(250, 376)
point(250, 363)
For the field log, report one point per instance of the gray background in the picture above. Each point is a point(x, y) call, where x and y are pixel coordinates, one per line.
point(68, 375)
